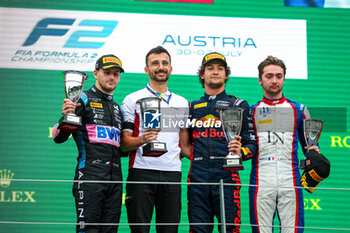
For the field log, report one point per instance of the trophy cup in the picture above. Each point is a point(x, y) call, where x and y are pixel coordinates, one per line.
point(231, 119)
point(150, 111)
point(73, 85)
point(312, 132)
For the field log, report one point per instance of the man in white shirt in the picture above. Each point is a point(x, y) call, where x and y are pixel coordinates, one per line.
point(142, 198)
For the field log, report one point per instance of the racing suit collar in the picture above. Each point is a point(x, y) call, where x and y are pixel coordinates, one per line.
point(274, 101)
point(101, 94)
point(214, 97)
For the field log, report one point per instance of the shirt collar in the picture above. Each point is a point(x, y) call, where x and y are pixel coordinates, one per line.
point(167, 93)
point(163, 96)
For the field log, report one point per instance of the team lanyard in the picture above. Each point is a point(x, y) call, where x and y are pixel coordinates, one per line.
point(159, 95)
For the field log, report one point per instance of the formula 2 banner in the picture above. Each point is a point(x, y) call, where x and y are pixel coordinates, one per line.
point(61, 40)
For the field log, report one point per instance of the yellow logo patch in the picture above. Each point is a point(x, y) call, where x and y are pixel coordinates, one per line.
point(268, 121)
point(201, 105)
point(315, 176)
point(213, 56)
point(112, 59)
point(96, 105)
point(246, 150)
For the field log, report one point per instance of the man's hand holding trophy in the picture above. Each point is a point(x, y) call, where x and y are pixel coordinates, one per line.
point(151, 117)
point(231, 119)
point(312, 133)
point(73, 85)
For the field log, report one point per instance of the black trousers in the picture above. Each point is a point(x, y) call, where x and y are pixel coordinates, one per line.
point(142, 198)
point(98, 202)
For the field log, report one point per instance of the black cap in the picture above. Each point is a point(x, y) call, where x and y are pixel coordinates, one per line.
point(317, 169)
point(108, 61)
point(214, 56)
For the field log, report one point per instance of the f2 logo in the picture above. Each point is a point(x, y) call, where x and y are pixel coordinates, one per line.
point(42, 29)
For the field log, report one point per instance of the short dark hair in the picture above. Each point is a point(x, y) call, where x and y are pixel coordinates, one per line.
point(271, 60)
point(201, 72)
point(157, 50)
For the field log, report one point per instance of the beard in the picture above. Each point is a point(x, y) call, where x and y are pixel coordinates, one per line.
point(213, 85)
point(107, 88)
point(158, 79)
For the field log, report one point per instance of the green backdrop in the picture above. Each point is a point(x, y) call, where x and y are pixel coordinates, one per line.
point(31, 103)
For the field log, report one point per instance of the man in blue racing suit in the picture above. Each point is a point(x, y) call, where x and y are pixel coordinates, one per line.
point(210, 147)
point(98, 142)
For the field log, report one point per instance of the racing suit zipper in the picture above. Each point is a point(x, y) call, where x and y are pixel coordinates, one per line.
point(113, 147)
point(275, 148)
point(207, 138)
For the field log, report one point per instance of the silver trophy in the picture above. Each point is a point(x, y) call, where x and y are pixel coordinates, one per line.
point(151, 117)
point(231, 119)
point(312, 133)
point(73, 85)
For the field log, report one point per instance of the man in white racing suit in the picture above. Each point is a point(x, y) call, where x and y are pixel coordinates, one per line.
point(275, 173)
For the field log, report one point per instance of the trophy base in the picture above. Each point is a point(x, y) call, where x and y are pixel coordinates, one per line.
point(232, 164)
point(154, 149)
point(70, 123)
